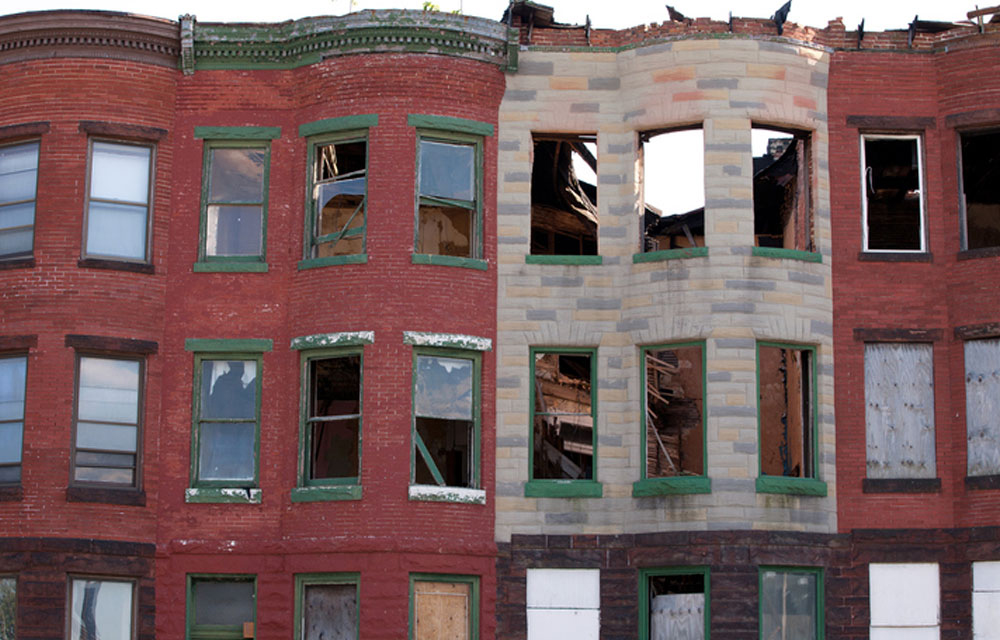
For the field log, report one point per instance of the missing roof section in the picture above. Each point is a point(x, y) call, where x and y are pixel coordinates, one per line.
point(981, 188)
point(782, 215)
point(674, 196)
point(564, 195)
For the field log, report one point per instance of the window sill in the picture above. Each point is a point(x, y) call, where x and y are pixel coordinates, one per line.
point(669, 254)
point(533, 259)
point(328, 261)
point(434, 493)
point(17, 263)
point(983, 252)
point(982, 482)
point(450, 261)
point(115, 265)
point(791, 486)
point(230, 267)
point(107, 495)
point(901, 485)
point(563, 489)
point(12, 493)
point(234, 495)
point(327, 493)
point(896, 256)
point(674, 486)
point(787, 254)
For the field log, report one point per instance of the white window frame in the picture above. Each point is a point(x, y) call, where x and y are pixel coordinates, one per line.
point(864, 190)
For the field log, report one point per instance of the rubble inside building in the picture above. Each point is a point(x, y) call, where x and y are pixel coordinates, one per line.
point(563, 209)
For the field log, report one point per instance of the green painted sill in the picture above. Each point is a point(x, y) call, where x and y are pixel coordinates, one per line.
point(792, 486)
point(563, 489)
point(670, 254)
point(326, 493)
point(790, 254)
point(676, 486)
point(230, 267)
point(434, 493)
point(313, 263)
point(450, 261)
point(226, 495)
point(533, 259)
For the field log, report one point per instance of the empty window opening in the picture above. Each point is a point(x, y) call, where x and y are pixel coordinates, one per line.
point(781, 198)
point(334, 421)
point(443, 609)
point(786, 411)
point(564, 195)
point(448, 199)
point(339, 198)
point(444, 422)
point(563, 417)
point(677, 606)
point(981, 189)
point(674, 410)
point(673, 184)
point(893, 207)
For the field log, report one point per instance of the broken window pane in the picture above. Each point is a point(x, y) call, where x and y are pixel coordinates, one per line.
point(118, 202)
point(339, 192)
point(220, 606)
point(107, 425)
point(677, 606)
point(899, 411)
point(981, 189)
point(235, 206)
point(789, 607)
point(786, 411)
point(18, 183)
point(330, 612)
point(448, 198)
point(101, 610)
point(564, 195)
point(8, 608)
point(674, 412)
point(444, 424)
point(564, 434)
point(892, 176)
point(673, 185)
point(334, 422)
point(227, 420)
point(442, 610)
point(982, 406)
point(781, 195)
point(13, 374)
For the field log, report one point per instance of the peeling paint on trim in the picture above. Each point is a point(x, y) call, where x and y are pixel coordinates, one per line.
point(223, 494)
point(453, 340)
point(339, 339)
point(447, 494)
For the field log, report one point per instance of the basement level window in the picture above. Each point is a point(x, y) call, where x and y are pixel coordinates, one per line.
point(981, 189)
point(326, 606)
point(18, 183)
point(673, 214)
point(444, 606)
point(101, 609)
point(892, 188)
point(564, 218)
point(339, 195)
point(791, 603)
point(8, 607)
point(676, 603)
point(221, 607)
point(782, 212)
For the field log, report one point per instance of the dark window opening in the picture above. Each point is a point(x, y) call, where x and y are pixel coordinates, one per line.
point(334, 422)
point(893, 207)
point(563, 203)
point(563, 417)
point(444, 421)
point(786, 412)
point(674, 195)
point(781, 190)
point(339, 198)
point(981, 189)
point(674, 432)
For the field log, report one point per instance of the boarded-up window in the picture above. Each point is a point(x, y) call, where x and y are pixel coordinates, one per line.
point(786, 411)
point(899, 411)
point(564, 195)
point(564, 433)
point(981, 188)
point(328, 611)
point(674, 411)
point(564, 603)
point(673, 188)
point(781, 195)
point(892, 178)
point(789, 604)
point(8, 608)
point(443, 609)
point(676, 604)
point(905, 601)
point(986, 600)
point(982, 406)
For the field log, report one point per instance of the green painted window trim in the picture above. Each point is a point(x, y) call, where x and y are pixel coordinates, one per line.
point(447, 340)
point(227, 488)
point(214, 631)
point(225, 345)
point(670, 254)
point(329, 261)
point(326, 493)
point(447, 577)
point(791, 486)
point(813, 425)
point(820, 597)
point(330, 340)
point(234, 266)
point(417, 443)
point(790, 254)
point(446, 123)
point(450, 261)
point(237, 133)
point(677, 484)
point(533, 259)
point(222, 495)
point(551, 487)
point(340, 487)
point(644, 595)
point(680, 485)
point(336, 125)
point(303, 580)
point(563, 489)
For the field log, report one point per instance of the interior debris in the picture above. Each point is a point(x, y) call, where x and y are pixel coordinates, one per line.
point(563, 209)
point(981, 188)
point(785, 409)
point(339, 197)
point(781, 192)
point(674, 224)
point(564, 423)
point(674, 433)
point(892, 193)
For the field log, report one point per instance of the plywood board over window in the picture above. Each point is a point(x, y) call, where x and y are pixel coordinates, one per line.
point(444, 606)
point(982, 406)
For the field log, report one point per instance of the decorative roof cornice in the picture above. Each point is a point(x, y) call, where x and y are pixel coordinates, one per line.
point(88, 34)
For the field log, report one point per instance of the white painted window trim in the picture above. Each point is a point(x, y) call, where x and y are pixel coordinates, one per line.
point(864, 191)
